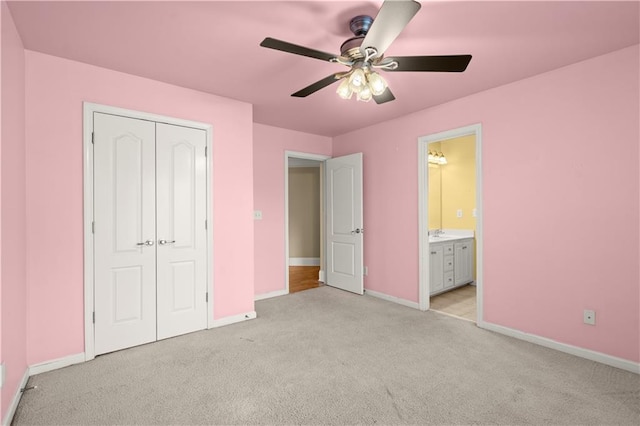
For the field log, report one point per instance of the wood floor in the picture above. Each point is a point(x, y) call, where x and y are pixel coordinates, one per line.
point(460, 302)
point(303, 278)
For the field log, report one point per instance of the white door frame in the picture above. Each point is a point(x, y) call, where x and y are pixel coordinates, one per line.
point(423, 209)
point(304, 156)
point(88, 110)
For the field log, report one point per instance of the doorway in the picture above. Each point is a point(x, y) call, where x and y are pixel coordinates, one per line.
point(304, 221)
point(450, 222)
point(342, 229)
point(148, 243)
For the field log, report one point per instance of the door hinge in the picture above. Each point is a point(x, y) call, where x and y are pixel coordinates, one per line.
point(205, 151)
point(94, 317)
point(93, 137)
point(93, 227)
point(206, 297)
point(206, 225)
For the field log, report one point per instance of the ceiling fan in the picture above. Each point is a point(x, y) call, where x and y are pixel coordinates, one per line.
point(364, 53)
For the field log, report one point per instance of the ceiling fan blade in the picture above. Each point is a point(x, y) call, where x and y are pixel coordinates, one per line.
point(386, 96)
point(272, 43)
point(448, 63)
point(316, 86)
point(393, 16)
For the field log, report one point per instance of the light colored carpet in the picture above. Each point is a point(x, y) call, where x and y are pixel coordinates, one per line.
point(324, 356)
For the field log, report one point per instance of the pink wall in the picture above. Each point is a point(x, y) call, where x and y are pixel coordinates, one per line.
point(269, 146)
point(55, 90)
point(561, 192)
point(13, 284)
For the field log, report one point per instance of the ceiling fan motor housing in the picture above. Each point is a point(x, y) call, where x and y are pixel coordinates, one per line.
point(359, 26)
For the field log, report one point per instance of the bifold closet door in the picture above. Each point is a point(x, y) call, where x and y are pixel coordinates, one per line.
point(181, 185)
point(150, 238)
point(124, 235)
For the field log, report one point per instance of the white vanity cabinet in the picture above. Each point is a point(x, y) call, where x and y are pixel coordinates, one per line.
point(436, 267)
point(450, 264)
point(463, 262)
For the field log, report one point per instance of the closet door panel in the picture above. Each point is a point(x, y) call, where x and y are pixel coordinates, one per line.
point(124, 235)
point(181, 213)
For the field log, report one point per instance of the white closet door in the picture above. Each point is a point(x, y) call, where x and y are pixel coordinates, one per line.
point(182, 242)
point(124, 216)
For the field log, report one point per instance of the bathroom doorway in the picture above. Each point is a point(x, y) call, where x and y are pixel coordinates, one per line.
point(450, 223)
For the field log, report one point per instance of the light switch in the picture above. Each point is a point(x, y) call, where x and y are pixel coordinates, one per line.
point(474, 212)
point(257, 214)
point(459, 213)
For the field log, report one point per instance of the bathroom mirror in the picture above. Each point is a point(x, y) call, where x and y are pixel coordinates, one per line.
point(435, 196)
point(452, 183)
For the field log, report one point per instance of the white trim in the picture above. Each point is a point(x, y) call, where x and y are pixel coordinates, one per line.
point(610, 360)
point(322, 275)
point(55, 364)
point(423, 209)
point(306, 156)
point(8, 418)
point(88, 110)
point(2, 375)
point(393, 299)
point(304, 261)
point(270, 295)
point(233, 319)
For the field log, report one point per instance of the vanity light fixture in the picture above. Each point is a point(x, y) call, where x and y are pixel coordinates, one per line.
point(437, 158)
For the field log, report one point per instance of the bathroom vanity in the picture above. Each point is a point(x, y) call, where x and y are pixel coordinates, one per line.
point(450, 260)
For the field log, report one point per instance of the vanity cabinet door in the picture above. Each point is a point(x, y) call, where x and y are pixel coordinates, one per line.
point(463, 262)
point(436, 268)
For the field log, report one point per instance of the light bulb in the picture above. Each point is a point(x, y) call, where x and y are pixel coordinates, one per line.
point(365, 94)
point(432, 158)
point(377, 84)
point(442, 159)
point(344, 91)
point(357, 80)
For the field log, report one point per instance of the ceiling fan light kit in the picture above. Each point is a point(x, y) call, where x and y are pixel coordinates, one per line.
point(365, 52)
point(363, 82)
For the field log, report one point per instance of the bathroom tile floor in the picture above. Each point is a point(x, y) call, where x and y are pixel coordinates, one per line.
point(460, 302)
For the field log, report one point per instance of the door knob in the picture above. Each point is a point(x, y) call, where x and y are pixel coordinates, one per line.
point(163, 242)
point(358, 231)
point(146, 243)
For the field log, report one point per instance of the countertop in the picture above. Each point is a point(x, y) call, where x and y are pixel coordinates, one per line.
point(451, 235)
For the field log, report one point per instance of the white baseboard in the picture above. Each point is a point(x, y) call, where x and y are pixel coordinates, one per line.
point(613, 361)
point(234, 319)
point(322, 276)
point(304, 261)
point(403, 302)
point(270, 294)
point(55, 364)
point(8, 418)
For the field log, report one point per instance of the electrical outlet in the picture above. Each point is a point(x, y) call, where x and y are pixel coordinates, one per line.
point(459, 213)
point(474, 212)
point(589, 317)
point(366, 271)
point(257, 214)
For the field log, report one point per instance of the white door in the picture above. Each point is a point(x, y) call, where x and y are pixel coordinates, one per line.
point(150, 244)
point(181, 229)
point(124, 235)
point(344, 223)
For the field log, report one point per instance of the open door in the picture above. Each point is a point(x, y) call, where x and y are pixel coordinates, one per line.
point(344, 223)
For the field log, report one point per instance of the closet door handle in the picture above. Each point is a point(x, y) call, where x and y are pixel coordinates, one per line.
point(146, 243)
point(163, 242)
